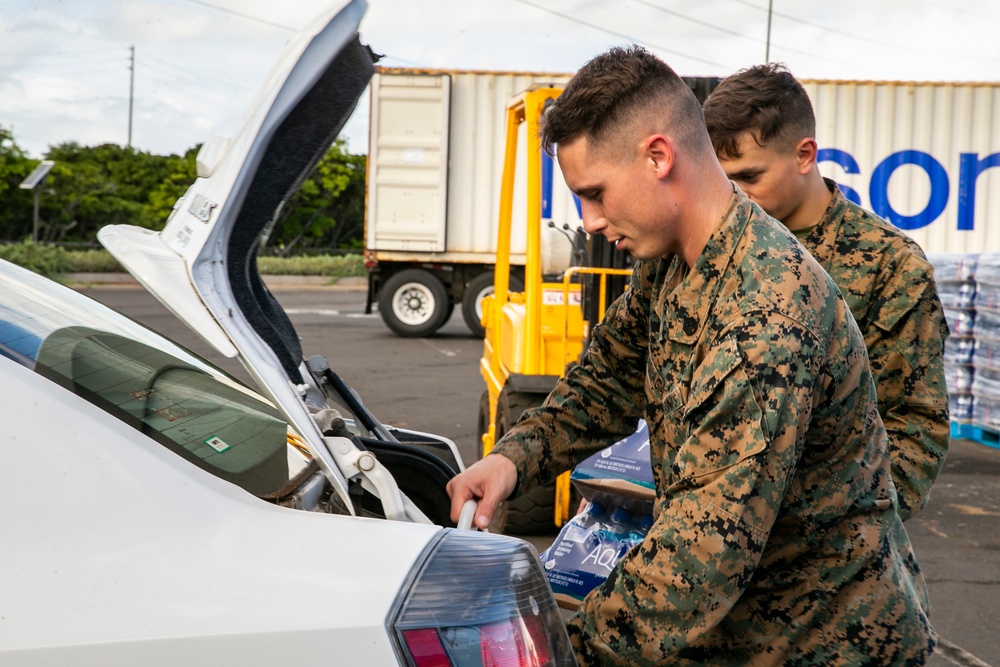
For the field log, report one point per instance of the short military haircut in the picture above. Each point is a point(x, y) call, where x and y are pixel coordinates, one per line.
point(619, 94)
point(765, 100)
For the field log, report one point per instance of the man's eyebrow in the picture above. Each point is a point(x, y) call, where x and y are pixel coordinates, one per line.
point(743, 173)
point(587, 191)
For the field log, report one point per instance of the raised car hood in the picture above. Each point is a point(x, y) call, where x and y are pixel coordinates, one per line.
point(203, 265)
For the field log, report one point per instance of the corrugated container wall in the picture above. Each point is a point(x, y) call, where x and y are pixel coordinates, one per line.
point(922, 155)
point(436, 153)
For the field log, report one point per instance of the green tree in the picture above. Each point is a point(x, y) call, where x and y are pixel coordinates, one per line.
point(328, 210)
point(93, 186)
point(16, 205)
point(107, 184)
point(180, 174)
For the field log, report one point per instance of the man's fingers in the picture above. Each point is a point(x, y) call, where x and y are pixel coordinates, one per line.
point(483, 520)
point(459, 493)
point(488, 481)
point(493, 495)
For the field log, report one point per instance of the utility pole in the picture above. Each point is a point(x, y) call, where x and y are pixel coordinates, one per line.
point(767, 50)
point(131, 89)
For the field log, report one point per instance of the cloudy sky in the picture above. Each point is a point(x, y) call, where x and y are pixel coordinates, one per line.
point(65, 64)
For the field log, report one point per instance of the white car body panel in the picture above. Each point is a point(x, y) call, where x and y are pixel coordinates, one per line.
point(196, 238)
point(254, 583)
point(158, 512)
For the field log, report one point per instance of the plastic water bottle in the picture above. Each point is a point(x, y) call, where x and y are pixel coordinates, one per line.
point(593, 516)
point(620, 520)
point(638, 531)
point(616, 528)
point(579, 528)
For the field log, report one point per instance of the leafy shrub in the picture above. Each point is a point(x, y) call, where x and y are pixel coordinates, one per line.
point(332, 266)
point(93, 261)
point(52, 261)
point(43, 259)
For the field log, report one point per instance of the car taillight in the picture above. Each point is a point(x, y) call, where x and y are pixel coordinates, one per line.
point(480, 600)
point(511, 645)
point(425, 648)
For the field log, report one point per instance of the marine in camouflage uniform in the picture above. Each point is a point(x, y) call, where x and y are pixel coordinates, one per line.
point(889, 286)
point(763, 129)
point(776, 540)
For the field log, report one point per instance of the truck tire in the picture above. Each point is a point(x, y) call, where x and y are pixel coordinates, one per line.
point(531, 513)
point(414, 303)
point(472, 302)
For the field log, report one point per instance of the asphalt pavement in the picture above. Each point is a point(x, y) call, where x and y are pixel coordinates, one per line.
point(434, 385)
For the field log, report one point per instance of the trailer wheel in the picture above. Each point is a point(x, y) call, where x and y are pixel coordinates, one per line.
point(414, 303)
point(472, 302)
point(531, 513)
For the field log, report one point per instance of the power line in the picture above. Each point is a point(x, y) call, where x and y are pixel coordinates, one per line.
point(733, 33)
point(621, 35)
point(868, 40)
point(105, 65)
point(411, 63)
point(23, 54)
point(199, 76)
point(693, 20)
point(242, 15)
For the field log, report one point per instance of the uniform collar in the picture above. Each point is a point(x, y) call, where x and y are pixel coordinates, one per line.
point(823, 238)
point(688, 295)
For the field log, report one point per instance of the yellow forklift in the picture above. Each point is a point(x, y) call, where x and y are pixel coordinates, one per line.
point(538, 324)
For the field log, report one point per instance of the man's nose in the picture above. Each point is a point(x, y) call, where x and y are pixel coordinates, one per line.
point(594, 221)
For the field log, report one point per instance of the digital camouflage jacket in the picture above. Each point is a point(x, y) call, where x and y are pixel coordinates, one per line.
point(889, 286)
point(776, 539)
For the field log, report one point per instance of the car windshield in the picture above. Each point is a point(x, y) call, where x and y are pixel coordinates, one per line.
point(145, 380)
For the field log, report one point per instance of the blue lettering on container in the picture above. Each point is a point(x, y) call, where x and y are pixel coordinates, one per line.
point(546, 186)
point(971, 168)
point(847, 163)
point(878, 189)
point(547, 166)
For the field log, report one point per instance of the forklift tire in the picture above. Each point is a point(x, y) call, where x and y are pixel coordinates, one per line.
point(531, 513)
point(472, 302)
point(414, 303)
point(482, 420)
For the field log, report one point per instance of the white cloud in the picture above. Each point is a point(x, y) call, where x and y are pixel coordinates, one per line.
point(64, 65)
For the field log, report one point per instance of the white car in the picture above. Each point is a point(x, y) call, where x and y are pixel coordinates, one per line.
point(159, 512)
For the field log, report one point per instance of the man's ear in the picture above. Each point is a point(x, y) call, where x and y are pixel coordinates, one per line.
point(805, 154)
point(659, 151)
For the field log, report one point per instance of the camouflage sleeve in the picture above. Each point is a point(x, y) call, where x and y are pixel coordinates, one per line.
point(598, 401)
point(905, 336)
point(728, 480)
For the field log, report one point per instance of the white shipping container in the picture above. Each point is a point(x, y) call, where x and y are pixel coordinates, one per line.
point(921, 155)
point(435, 162)
point(435, 159)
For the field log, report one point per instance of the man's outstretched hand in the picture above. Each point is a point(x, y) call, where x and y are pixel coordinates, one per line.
point(489, 482)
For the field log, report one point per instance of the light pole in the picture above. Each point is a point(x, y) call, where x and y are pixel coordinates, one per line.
point(34, 182)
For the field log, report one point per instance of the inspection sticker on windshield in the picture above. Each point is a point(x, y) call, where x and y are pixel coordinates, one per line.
point(217, 443)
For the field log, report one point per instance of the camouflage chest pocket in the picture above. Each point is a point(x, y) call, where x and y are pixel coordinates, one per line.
point(723, 422)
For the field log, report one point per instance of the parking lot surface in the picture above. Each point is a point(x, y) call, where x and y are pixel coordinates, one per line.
point(434, 385)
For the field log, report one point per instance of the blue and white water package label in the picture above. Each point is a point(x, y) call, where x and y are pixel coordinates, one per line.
point(625, 462)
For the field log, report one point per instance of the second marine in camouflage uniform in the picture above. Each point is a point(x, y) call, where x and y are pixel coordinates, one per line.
point(763, 128)
point(889, 286)
point(776, 540)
